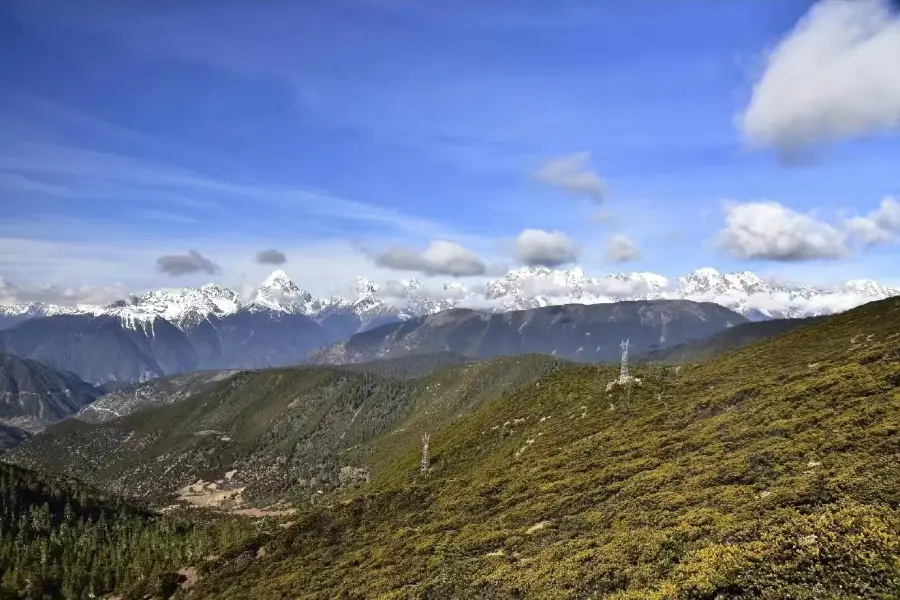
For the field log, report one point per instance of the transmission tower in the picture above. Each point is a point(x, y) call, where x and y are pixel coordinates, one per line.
point(425, 453)
point(623, 372)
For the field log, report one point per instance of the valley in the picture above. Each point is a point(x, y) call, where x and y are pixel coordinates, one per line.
point(701, 478)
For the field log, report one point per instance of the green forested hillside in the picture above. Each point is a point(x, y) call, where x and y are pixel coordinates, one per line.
point(770, 472)
point(60, 539)
point(282, 434)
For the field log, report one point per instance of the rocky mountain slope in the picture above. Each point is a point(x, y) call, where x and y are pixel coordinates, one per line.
point(110, 347)
point(576, 331)
point(278, 434)
point(739, 477)
point(149, 394)
point(32, 395)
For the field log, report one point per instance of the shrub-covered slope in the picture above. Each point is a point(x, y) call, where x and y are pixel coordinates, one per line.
point(286, 433)
point(770, 472)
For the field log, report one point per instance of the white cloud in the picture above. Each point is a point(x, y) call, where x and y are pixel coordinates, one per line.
point(621, 248)
point(439, 258)
point(544, 286)
point(771, 231)
point(573, 173)
point(619, 288)
point(878, 227)
point(834, 76)
point(11, 293)
point(536, 247)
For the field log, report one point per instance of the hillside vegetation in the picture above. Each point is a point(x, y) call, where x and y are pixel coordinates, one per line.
point(268, 436)
point(60, 539)
point(770, 472)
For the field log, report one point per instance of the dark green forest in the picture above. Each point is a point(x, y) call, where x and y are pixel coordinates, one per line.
point(60, 539)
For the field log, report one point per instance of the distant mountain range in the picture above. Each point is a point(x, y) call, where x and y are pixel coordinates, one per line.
point(213, 328)
point(590, 333)
point(366, 304)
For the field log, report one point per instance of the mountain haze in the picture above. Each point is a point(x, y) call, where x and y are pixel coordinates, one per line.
point(580, 332)
point(33, 395)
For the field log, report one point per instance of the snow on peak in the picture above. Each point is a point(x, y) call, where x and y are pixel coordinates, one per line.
point(279, 293)
point(278, 279)
point(704, 273)
point(522, 288)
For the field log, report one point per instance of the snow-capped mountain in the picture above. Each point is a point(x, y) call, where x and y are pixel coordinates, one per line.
point(279, 293)
point(366, 303)
point(183, 308)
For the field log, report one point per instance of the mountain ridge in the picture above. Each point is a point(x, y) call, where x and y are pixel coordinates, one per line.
point(371, 304)
point(579, 332)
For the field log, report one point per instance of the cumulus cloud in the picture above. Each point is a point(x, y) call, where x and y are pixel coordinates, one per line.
point(439, 258)
point(878, 227)
point(393, 289)
point(539, 248)
point(621, 248)
point(614, 287)
point(68, 295)
point(573, 173)
point(186, 264)
point(544, 286)
point(771, 231)
point(834, 76)
point(271, 257)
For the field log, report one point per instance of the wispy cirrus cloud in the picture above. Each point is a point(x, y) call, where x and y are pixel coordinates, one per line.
point(89, 168)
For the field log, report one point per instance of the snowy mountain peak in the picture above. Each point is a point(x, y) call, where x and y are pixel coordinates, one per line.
point(279, 293)
point(365, 287)
point(523, 288)
point(278, 279)
point(704, 273)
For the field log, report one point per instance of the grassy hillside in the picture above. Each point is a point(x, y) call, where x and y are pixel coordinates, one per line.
point(267, 436)
point(770, 472)
point(725, 341)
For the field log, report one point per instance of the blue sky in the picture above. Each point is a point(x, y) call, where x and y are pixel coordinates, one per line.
point(333, 130)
